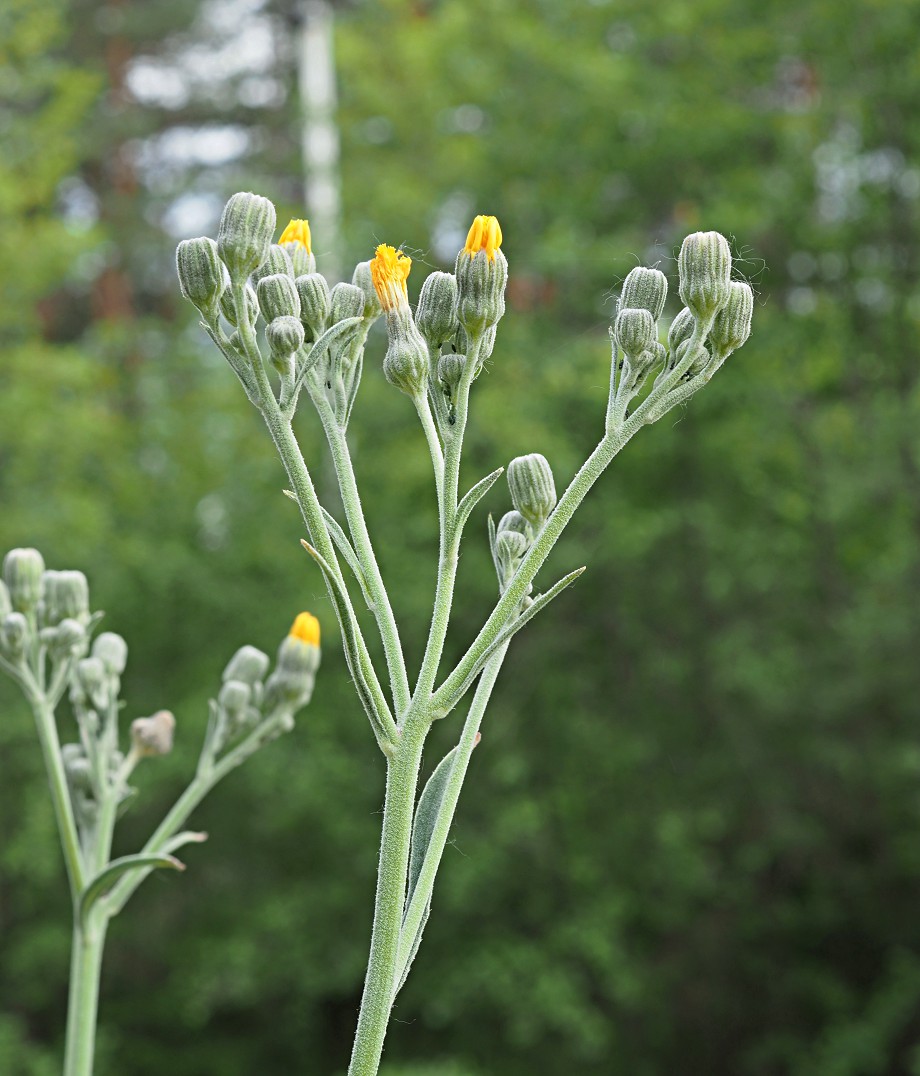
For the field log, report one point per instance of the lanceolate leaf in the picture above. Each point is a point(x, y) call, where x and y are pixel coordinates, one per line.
point(106, 878)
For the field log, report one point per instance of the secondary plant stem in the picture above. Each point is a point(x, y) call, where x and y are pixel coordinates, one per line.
point(83, 1002)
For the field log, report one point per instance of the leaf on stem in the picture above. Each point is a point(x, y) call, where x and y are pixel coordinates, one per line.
point(329, 337)
point(347, 550)
point(475, 495)
point(107, 877)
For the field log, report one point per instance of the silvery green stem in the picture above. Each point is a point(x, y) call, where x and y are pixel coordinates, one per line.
point(468, 740)
point(83, 1000)
point(423, 407)
point(399, 803)
point(60, 794)
point(351, 500)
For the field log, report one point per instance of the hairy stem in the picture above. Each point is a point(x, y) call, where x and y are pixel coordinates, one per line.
point(83, 1001)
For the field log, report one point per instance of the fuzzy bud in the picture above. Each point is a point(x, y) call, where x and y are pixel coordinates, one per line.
point(361, 278)
point(450, 370)
point(234, 696)
point(291, 684)
point(244, 237)
point(681, 329)
point(112, 651)
point(284, 335)
point(346, 301)
point(228, 309)
point(533, 491)
point(296, 240)
point(733, 322)
point(64, 595)
point(406, 362)
point(278, 297)
point(14, 631)
point(153, 735)
point(6, 605)
point(436, 313)
point(512, 521)
point(314, 302)
point(705, 264)
point(644, 289)
point(69, 637)
point(482, 273)
point(634, 331)
point(278, 263)
point(202, 275)
point(22, 573)
point(248, 664)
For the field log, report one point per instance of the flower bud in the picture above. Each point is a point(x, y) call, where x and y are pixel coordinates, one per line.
point(510, 546)
point(112, 651)
point(705, 264)
point(482, 273)
point(436, 313)
point(228, 309)
point(245, 234)
point(153, 735)
point(733, 322)
point(65, 595)
point(6, 605)
point(644, 289)
point(22, 573)
point(512, 521)
point(533, 491)
point(77, 768)
point(361, 278)
point(284, 335)
point(202, 275)
point(681, 329)
point(291, 684)
point(69, 637)
point(406, 362)
point(314, 302)
point(234, 696)
point(278, 297)
point(450, 370)
point(14, 631)
point(296, 240)
point(247, 664)
point(94, 681)
point(634, 331)
point(346, 301)
point(278, 263)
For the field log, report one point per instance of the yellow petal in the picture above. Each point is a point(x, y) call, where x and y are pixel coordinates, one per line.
point(306, 628)
point(389, 270)
point(297, 231)
point(485, 234)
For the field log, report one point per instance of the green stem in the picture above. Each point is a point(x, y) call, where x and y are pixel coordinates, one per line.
point(83, 1002)
point(379, 984)
point(60, 793)
point(468, 740)
point(351, 500)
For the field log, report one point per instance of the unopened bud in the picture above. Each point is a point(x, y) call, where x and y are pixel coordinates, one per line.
point(248, 664)
point(153, 735)
point(245, 234)
point(644, 289)
point(284, 335)
point(361, 278)
point(14, 631)
point(69, 596)
point(234, 696)
point(296, 240)
point(705, 264)
point(634, 331)
point(69, 637)
point(6, 605)
point(681, 329)
point(112, 651)
point(733, 322)
point(77, 767)
point(482, 273)
point(436, 312)
point(277, 263)
point(512, 521)
point(450, 370)
point(346, 301)
point(510, 546)
point(406, 362)
point(278, 297)
point(533, 491)
point(202, 275)
point(291, 684)
point(314, 302)
point(22, 573)
point(94, 680)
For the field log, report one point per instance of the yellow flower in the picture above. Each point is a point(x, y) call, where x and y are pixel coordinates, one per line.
point(306, 629)
point(297, 231)
point(389, 270)
point(485, 234)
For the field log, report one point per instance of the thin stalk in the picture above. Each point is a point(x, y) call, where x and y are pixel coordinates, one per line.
point(468, 740)
point(83, 1002)
point(399, 804)
point(423, 407)
point(351, 499)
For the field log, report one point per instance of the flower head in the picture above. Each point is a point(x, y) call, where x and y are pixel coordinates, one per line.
point(297, 231)
point(485, 234)
point(306, 629)
point(389, 270)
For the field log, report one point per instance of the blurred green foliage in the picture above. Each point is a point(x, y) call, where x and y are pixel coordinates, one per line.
point(690, 841)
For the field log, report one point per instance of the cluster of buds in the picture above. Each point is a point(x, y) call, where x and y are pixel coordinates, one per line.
point(533, 494)
point(247, 700)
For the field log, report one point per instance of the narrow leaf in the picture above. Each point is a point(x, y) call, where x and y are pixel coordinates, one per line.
point(329, 337)
point(106, 878)
point(475, 495)
point(347, 550)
